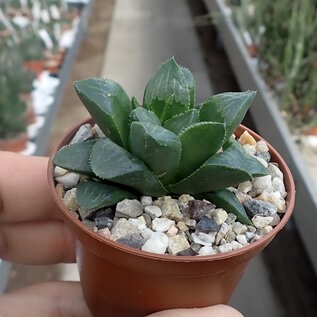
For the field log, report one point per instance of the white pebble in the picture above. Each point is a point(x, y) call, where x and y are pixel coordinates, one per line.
point(162, 224)
point(153, 211)
point(177, 244)
point(260, 221)
point(70, 200)
point(98, 131)
point(275, 171)
point(139, 222)
point(225, 248)
point(207, 250)
point(261, 146)
point(236, 245)
point(241, 238)
point(203, 238)
point(278, 185)
point(219, 215)
point(263, 183)
point(277, 199)
point(69, 179)
point(239, 228)
point(59, 171)
point(157, 243)
point(245, 187)
point(146, 233)
point(146, 201)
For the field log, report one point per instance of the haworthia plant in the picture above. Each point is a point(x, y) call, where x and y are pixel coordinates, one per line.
point(168, 146)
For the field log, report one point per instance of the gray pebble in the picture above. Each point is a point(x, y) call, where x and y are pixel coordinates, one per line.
point(231, 218)
point(187, 252)
point(206, 225)
point(130, 208)
point(134, 241)
point(84, 133)
point(122, 229)
point(259, 207)
point(103, 222)
point(153, 211)
point(146, 201)
point(191, 224)
point(200, 208)
point(104, 212)
point(148, 220)
point(264, 155)
point(195, 246)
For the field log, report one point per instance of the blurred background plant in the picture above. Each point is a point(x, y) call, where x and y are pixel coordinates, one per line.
point(281, 34)
point(30, 37)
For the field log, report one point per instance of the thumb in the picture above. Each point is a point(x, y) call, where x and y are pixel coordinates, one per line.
point(213, 311)
point(54, 299)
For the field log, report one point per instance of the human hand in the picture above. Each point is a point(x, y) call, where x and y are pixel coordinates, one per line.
point(31, 232)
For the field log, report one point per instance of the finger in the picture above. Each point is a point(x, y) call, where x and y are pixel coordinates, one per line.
point(55, 299)
point(24, 189)
point(38, 242)
point(213, 311)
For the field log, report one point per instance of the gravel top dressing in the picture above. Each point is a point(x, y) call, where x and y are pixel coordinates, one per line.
point(185, 224)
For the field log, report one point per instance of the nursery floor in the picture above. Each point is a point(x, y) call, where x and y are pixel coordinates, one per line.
point(143, 34)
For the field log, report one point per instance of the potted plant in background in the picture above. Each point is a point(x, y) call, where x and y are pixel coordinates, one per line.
point(16, 78)
point(162, 198)
point(33, 51)
point(13, 122)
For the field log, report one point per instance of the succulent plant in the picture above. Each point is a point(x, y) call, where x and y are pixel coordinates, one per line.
point(168, 146)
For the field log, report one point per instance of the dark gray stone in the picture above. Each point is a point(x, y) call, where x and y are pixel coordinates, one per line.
point(199, 208)
point(108, 212)
point(103, 222)
point(188, 252)
point(258, 207)
point(264, 155)
point(134, 241)
point(207, 225)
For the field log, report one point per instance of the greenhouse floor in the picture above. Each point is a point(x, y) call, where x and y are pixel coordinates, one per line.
point(138, 42)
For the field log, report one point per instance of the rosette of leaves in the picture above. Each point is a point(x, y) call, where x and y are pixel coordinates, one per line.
point(168, 146)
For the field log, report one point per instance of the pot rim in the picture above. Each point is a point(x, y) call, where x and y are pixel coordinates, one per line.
point(288, 179)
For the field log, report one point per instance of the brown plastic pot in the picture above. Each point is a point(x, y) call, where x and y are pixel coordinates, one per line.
point(29, 113)
point(121, 281)
point(35, 66)
point(17, 144)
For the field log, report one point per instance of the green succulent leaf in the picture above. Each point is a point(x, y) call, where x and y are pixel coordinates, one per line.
point(159, 148)
point(94, 195)
point(227, 200)
point(180, 122)
point(109, 105)
point(134, 103)
point(143, 115)
point(199, 142)
point(251, 164)
point(112, 162)
point(75, 157)
point(228, 107)
point(171, 91)
point(220, 171)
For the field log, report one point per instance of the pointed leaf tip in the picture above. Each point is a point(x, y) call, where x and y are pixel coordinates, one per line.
point(108, 104)
point(171, 91)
